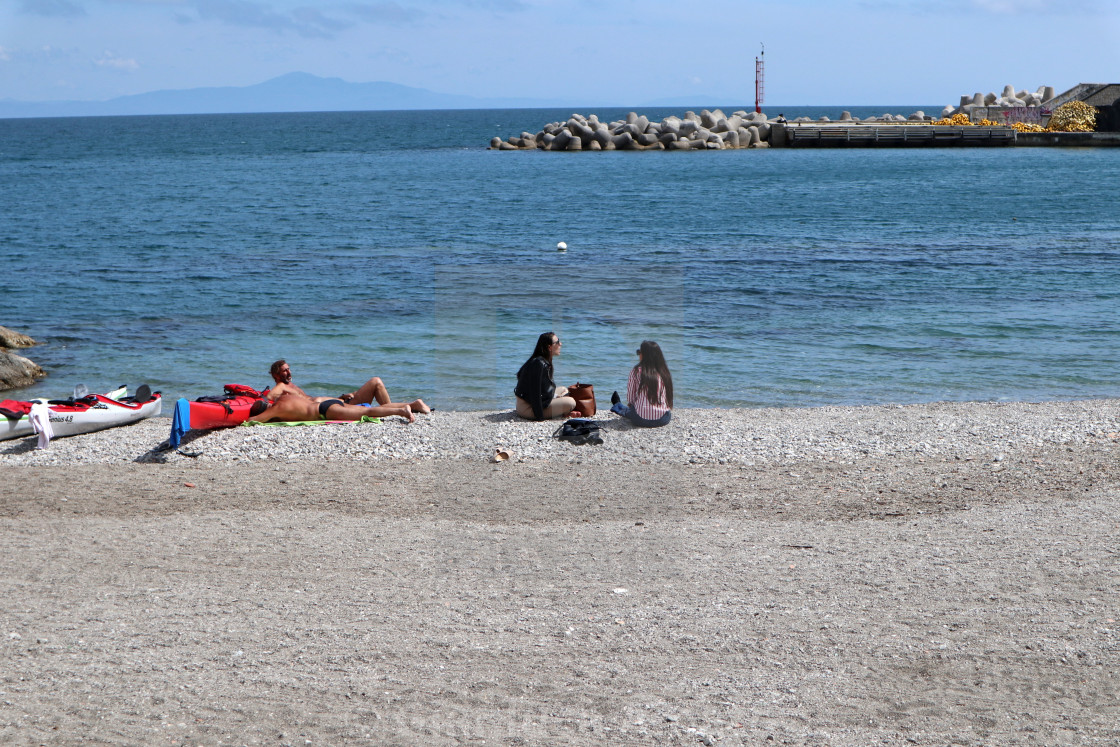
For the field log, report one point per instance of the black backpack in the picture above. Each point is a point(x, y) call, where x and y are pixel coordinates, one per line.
point(579, 431)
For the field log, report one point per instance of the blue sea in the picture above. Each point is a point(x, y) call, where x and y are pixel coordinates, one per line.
point(188, 252)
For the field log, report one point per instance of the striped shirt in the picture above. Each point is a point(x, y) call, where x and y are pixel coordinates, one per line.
point(636, 397)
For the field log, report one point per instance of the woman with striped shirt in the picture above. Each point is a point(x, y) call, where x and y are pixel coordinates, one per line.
point(649, 392)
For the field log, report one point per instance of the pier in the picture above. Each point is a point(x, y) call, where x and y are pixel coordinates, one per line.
point(829, 135)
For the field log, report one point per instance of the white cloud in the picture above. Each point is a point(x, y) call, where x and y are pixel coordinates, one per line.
point(1015, 6)
point(53, 8)
point(989, 7)
point(113, 62)
point(497, 6)
point(305, 20)
point(4, 56)
point(385, 12)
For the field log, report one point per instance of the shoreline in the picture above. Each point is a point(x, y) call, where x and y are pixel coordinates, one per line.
point(695, 436)
point(921, 574)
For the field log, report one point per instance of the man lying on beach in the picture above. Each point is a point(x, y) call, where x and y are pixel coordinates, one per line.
point(368, 393)
point(299, 408)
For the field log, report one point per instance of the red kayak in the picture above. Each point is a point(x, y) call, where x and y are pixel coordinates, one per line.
point(231, 408)
point(206, 413)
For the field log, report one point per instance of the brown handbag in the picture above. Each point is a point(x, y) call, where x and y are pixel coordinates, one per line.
point(584, 395)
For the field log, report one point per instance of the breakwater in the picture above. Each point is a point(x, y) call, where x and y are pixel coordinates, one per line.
point(1016, 117)
point(708, 130)
point(714, 130)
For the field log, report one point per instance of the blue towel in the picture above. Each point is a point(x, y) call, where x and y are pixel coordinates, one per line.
point(180, 422)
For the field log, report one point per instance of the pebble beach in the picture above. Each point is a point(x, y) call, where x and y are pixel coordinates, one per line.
point(695, 436)
point(928, 574)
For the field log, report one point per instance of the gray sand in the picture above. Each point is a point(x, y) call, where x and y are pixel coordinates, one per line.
point(932, 575)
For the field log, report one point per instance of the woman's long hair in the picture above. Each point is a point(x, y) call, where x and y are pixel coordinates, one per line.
point(544, 342)
point(651, 369)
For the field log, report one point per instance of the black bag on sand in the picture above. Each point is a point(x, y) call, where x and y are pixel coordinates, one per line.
point(579, 431)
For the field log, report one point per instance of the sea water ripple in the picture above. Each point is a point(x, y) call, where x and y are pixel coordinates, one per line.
point(189, 252)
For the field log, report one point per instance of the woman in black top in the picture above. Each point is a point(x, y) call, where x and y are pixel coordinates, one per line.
point(537, 396)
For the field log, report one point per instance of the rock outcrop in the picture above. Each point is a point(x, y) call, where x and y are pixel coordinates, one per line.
point(16, 371)
point(9, 338)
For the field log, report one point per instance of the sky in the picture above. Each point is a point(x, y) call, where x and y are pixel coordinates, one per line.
point(619, 52)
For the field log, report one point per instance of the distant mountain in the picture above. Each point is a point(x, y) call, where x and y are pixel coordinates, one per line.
point(294, 92)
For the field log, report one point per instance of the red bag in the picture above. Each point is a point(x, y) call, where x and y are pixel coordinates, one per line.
point(240, 390)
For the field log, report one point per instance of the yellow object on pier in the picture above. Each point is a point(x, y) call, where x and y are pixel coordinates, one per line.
point(1074, 116)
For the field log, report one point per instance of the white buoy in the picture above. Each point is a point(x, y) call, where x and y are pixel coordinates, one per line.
point(561, 247)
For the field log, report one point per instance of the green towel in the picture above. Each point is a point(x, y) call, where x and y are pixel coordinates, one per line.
point(365, 419)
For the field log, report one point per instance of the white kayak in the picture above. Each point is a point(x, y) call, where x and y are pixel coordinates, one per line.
point(71, 417)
